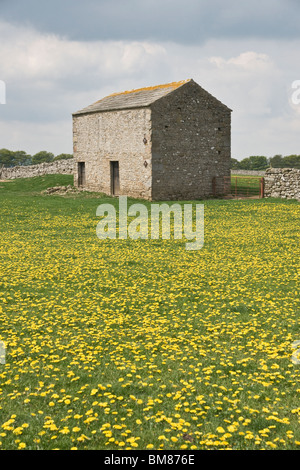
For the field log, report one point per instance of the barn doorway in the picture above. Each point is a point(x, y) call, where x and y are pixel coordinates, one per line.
point(115, 180)
point(81, 173)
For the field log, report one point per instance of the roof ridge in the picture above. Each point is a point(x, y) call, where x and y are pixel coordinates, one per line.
point(139, 97)
point(174, 85)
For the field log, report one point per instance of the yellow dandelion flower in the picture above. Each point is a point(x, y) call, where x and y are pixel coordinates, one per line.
point(220, 429)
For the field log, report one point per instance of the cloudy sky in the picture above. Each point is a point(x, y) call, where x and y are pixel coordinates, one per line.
point(60, 56)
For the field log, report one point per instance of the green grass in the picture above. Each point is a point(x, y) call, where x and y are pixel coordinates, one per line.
point(34, 186)
point(123, 344)
point(245, 185)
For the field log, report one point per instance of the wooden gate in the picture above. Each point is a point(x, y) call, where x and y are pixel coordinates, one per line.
point(238, 187)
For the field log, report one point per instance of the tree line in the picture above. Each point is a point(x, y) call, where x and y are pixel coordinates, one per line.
point(262, 163)
point(10, 158)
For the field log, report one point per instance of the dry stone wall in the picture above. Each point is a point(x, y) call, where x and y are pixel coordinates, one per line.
point(248, 172)
point(58, 167)
point(283, 183)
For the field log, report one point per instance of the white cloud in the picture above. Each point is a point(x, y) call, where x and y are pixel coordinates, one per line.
point(48, 77)
point(32, 137)
point(249, 61)
point(44, 57)
point(255, 77)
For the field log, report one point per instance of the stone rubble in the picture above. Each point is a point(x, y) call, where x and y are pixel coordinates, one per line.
point(62, 190)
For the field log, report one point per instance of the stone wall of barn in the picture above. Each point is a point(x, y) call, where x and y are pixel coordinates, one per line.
point(191, 140)
point(170, 150)
point(123, 136)
point(282, 182)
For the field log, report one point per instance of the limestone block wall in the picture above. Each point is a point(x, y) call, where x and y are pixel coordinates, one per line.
point(57, 167)
point(123, 136)
point(282, 182)
point(191, 139)
point(248, 172)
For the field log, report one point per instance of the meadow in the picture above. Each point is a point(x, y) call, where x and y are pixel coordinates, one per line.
point(141, 344)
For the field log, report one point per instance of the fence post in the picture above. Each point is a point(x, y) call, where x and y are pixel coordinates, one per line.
point(262, 187)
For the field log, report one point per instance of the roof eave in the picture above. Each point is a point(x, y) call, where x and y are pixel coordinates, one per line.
point(97, 111)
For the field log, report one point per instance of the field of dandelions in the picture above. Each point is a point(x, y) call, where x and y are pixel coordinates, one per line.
point(141, 344)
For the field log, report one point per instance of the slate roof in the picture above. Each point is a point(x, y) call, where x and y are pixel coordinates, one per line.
point(132, 99)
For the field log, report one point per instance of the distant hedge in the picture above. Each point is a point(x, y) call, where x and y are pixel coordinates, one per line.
point(10, 158)
point(262, 163)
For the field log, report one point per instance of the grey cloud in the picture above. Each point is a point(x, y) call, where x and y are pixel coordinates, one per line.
point(77, 52)
point(189, 21)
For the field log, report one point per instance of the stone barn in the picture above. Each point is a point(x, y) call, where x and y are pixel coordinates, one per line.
point(164, 142)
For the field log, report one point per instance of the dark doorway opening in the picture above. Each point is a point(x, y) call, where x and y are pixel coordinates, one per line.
point(115, 181)
point(81, 173)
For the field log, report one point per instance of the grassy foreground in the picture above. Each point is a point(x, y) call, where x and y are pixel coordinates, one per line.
point(140, 344)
